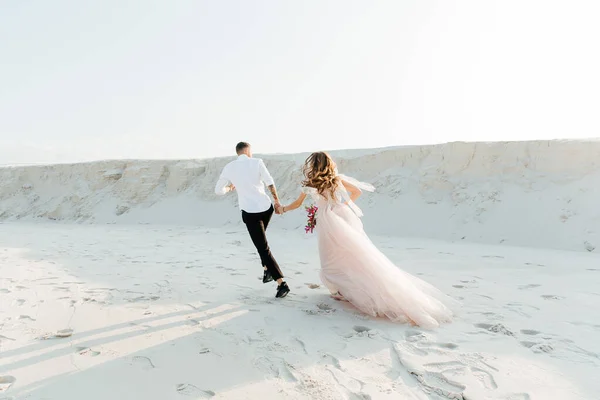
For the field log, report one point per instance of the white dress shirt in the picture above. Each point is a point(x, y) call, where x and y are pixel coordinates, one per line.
point(249, 176)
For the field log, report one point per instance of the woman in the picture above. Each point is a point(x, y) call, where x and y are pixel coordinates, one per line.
point(352, 268)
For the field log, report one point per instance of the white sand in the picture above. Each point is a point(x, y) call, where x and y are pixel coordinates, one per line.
point(175, 311)
point(155, 308)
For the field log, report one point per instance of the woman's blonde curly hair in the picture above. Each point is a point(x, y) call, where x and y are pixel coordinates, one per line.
point(320, 173)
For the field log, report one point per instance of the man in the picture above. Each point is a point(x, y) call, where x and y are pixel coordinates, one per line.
point(249, 176)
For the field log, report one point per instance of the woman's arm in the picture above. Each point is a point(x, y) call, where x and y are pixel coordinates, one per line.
point(297, 203)
point(353, 190)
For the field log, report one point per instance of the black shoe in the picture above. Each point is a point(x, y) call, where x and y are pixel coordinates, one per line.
point(282, 290)
point(267, 277)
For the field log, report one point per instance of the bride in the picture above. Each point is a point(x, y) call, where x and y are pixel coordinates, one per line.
point(352, 267)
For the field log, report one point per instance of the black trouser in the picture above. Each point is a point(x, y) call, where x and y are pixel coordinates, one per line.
point(257, 225)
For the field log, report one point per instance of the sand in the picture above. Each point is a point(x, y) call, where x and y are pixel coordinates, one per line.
point(178, 312)
point(136, 283)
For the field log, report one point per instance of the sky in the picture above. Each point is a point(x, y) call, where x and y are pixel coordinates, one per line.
point(83, 80)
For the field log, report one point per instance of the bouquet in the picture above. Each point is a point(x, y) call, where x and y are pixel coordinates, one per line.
point(312, 220)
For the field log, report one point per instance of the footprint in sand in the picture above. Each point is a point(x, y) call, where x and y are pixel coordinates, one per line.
point(496, 328)
point(301, 344)
point(186, 389)
point(143, 299)
point(45, 279)
point(143, 362)
point(285, 372)
point(530, 332)
point(485, 377)
point(333, 361)
point(313, 286)
point(363, 331)
point(449, 346)
point(443, 372)
point(277, 367)
point(64, 333)
point(325, 307)
point(518, 396)
point(5, 291)
point(531, 286)
point(86, 351)
point(6, 382)
point(415, 336)
point(542, 348)
point(439, 384)
point(551, 297)
point(322, 308)
point(26, 317)
point(538, 347)
point(5, 338)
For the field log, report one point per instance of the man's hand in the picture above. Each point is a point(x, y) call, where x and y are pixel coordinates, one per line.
point(231, 187)
point(278, 208)
point(275, 199)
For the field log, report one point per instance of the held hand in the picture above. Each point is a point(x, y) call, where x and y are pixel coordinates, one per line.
point(231, 187)
point(278, 208)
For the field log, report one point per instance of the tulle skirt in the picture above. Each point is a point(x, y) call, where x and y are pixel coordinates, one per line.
point(353, 266)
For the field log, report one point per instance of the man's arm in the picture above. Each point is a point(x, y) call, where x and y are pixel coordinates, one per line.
point(268, 180)
point(223, 185)
point(277, 204)
point(273, 190)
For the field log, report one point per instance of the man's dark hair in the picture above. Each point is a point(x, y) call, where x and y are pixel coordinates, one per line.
point(241, 146)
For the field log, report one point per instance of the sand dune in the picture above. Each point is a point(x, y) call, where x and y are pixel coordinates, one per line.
point(542, 194)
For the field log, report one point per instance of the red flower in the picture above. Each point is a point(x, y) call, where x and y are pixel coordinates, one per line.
point(312, 220)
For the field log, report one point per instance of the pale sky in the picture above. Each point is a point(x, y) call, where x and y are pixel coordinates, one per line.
point(86, 80)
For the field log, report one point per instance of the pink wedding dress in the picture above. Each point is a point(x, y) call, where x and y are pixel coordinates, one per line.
point(353, 267)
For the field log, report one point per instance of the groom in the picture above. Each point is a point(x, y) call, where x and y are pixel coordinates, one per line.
point(249, 176)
